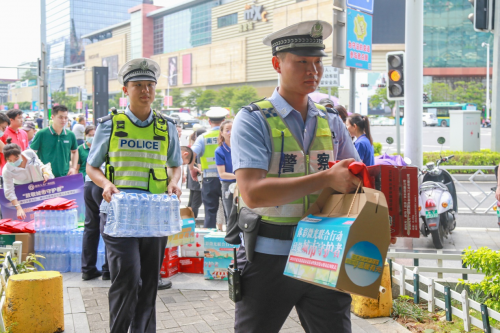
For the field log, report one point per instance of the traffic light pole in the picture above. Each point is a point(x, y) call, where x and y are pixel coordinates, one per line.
point(43, 72)
point(398, 128)
point(414, 72)
point(495, 119)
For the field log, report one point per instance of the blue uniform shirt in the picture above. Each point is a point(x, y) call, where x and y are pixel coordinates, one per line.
point(199, 148)
point(251, 147)
point(365, 150)
point(223, 157)
point(100, 146)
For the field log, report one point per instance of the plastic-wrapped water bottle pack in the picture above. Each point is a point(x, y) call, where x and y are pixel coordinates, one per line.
point(143, 215)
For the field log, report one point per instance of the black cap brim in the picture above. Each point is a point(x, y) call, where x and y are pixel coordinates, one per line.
point(217, 119)
point(141, 78)
point(308, 52)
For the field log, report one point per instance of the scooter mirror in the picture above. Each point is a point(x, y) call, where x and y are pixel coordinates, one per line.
point(389, 140)
point(407, 160)
point(441, 140)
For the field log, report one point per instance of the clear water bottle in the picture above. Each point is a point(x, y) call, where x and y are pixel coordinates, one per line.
point(121, 207)
point(41, 219)
point(155, 213)
point(100, 260)
point(175, 215)
point(101, 246)
point(165, 213)
point(48, 220)
point(134, 214)
point(145, 217)
point(65, 262)
point(79, 239)
point(37, 221)
point(73, 219)
point(40, 241)
point(49, 266)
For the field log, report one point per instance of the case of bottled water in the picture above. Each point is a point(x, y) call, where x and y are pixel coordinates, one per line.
point(143, 215)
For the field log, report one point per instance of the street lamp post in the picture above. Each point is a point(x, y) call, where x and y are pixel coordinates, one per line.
point(168, 86)
point(487, 80)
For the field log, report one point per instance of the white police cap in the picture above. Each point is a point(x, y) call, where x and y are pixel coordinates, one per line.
point(140, 69)
point(303, 39)
point(217, 114)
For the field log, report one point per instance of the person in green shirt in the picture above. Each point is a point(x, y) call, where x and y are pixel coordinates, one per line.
point(83, 150)
point(57, 145)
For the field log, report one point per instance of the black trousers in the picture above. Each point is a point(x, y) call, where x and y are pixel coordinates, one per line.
point(210, 194)
point(269, 296)
point(90, 242)
point(134, 266)
point(195, 201)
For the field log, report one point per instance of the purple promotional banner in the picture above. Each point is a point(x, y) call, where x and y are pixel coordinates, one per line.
point(31, 195)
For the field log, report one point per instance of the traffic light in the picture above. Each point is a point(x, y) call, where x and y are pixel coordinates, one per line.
point(426, 98)
point(364, 85)
point(395, 73)
point(39, 65)
point(482, 16)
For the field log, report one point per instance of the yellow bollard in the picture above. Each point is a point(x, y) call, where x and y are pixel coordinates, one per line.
point(34, 303)
point(365, 307)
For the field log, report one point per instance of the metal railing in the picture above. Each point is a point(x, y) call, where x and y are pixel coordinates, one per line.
point(485, 203)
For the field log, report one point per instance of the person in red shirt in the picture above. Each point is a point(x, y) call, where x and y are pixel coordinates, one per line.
point(14, 131)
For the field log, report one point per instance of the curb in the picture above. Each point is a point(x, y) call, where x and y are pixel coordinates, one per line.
point(387, 325)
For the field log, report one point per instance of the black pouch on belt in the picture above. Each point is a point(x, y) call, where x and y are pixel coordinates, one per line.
point(249, 222)
point(232, 229)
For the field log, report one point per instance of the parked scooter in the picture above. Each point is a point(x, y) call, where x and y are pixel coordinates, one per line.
point(437, 201)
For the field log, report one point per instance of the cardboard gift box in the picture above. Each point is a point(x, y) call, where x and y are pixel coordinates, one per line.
point(191, 265)
point(197, 249)
point(342, 243)
point(27, 239)
point(169, 268)
point(186, 236)
point(216, 269)
point(171, 253)
point(216, 247)
point(400, 186)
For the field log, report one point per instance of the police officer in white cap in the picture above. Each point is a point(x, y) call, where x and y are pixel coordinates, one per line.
point(204, 147)
point(141, 149)
point(281, 147)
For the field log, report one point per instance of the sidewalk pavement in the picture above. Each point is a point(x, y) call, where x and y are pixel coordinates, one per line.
point(192, 305)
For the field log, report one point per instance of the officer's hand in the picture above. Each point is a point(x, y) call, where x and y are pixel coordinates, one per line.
point(340, 178)
point(497, 194)
point(194, 174)
point(109, 190)
point(174, 189)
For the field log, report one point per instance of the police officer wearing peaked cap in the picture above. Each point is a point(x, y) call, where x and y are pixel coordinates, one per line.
point(204, 147)
point(281, 147)
point(134, 263)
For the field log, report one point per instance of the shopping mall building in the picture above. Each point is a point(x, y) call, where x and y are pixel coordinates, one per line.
point(218, 43)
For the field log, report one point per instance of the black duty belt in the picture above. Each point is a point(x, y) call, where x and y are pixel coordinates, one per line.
point(281, 232)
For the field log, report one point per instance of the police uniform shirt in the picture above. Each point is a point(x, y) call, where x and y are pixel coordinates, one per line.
point(100, 145)
point(251, 147)
point(199, 148)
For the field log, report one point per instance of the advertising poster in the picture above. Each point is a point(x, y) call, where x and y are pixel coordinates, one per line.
point(112, 64)
point(186, 69)
point(31, 195)
point(172, 71)
point(359, 40)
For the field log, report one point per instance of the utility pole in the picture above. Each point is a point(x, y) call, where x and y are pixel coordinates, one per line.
point(352, 90)
point(414, 72)
point(495, 124)
point(43, 72)
point(488, 113)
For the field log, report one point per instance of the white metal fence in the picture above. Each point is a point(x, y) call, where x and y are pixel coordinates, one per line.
point(406, 273)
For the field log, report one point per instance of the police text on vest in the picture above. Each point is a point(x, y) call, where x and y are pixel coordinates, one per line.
point(137, 144)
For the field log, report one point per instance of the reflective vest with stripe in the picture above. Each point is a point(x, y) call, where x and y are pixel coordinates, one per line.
point(208, 158)
point(136, 154)
point(290, 160)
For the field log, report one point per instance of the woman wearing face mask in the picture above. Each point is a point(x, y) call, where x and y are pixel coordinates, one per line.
point(225, 165)
point(84, 149)
point(359, 127)
point(19, 170)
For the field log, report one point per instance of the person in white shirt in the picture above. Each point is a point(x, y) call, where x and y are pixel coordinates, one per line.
point(79, 130)
point(16, 171)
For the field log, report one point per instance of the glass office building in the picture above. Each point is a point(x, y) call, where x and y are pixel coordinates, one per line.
point(184, 29)
point(449, 37)
point(68, 20)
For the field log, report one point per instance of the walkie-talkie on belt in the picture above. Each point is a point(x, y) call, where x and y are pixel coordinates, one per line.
point(234, 280)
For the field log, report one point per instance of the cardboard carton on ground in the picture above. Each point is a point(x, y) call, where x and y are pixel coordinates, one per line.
point(191, 265)
point(27, 239)
point(216, 269)
point(171, 253)
point(197, 249)
point(169, 268)
point(186, 236)
point(341, 251)
point(216, 247)
point(400, 186)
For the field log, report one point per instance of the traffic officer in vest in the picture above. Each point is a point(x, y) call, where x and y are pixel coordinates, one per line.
point(281, 147)
point(140, 148)
point(204, 147)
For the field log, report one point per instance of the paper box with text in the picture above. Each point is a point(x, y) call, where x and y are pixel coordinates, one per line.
point(197, 249)
point(342, 243)
point(216, 247)
point(186, 236)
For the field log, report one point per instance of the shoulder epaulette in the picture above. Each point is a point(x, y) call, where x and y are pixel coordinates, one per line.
point(105, 118)
point(330, 110)
point(250, 108)
point(169, 119)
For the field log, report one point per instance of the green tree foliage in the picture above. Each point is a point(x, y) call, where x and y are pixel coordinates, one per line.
point(224, 97)
point(61, 98)
point(156, 105)
point(177, 98)
point(470, 92)
point(192, 98)
point(28, 75)
point(334, 90)
point(438, 92)
point(242, 97)
point(206, 99)
point(379, 98)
